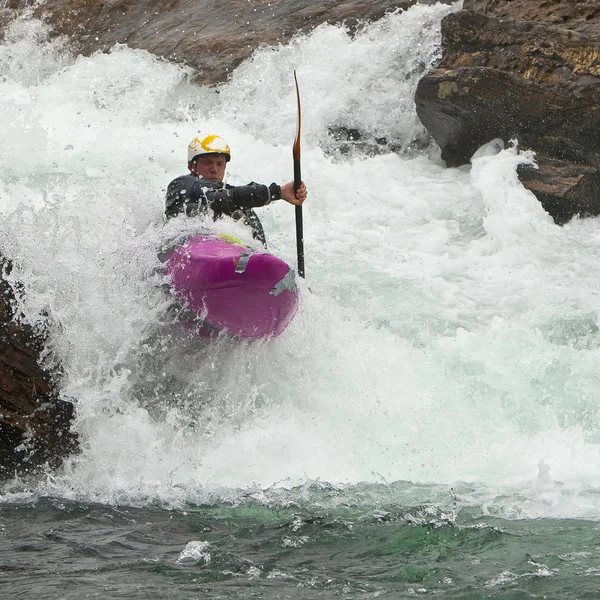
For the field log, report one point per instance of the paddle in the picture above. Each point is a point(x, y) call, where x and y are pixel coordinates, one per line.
point(297, 182)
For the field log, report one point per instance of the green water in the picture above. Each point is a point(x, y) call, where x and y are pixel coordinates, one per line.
point(53, 549)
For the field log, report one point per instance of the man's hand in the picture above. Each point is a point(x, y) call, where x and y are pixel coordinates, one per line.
point(287, 193)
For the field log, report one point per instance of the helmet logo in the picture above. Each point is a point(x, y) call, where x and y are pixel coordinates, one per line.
point(214, 143)
point(211, 144)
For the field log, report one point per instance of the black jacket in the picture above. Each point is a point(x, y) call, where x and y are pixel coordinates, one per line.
point(190, 195)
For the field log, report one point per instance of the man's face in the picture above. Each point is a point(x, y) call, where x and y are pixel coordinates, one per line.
point(210, 167)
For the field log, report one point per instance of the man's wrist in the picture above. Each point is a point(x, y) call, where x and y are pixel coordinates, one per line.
point(274, 192)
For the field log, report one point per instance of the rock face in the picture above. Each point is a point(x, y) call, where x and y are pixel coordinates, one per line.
point(34, 422)
point(525, 69)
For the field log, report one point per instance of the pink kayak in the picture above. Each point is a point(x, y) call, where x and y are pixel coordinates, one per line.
point(229, 287)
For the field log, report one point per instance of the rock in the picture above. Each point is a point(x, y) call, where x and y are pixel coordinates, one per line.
point(34, 421)
point(582, 16)
point(504, 76)
point(564, 189)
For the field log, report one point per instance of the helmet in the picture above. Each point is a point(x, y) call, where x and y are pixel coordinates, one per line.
point(208, 144)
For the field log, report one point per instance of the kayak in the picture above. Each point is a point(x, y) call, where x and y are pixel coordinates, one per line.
point(225, 286)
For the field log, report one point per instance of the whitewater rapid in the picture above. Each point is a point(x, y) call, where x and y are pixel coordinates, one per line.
point(448, 330)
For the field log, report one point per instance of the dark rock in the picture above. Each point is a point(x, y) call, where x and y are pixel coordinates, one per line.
point(349, 140)
point(504, 76)
point(582, 16)
point(564, 189)
point(34, 421)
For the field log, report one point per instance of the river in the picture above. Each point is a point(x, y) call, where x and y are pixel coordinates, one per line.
point(427, 424)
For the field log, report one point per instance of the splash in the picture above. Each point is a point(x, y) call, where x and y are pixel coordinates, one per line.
point(448, 331)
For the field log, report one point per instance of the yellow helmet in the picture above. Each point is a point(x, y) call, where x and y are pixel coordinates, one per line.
point(208, 144)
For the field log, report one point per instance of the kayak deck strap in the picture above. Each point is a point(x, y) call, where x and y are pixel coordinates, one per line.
point(242, 263)
point(287, 283)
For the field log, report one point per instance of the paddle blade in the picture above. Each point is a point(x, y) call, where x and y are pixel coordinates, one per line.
point(297, 183)
point(296, 151)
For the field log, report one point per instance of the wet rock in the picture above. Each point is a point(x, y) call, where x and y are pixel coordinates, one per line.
point(524, 69)
point(582, 16)
point(35, 424)
point(565, 189)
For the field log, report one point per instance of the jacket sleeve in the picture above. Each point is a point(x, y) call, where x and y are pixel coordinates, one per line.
point(189, 195)
point(227, 200)
point(178, 196)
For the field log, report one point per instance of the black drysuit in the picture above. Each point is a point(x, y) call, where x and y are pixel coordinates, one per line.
point(191, 195)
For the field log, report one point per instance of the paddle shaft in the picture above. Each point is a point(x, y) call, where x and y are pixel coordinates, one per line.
point(297, 183)
point(299, 223)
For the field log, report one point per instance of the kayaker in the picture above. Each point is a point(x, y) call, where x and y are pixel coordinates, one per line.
point(204, 188)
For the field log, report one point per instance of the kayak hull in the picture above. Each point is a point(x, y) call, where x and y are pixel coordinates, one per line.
point(228, 287)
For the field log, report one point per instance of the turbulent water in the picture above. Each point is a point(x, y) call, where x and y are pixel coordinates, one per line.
point(428, 423)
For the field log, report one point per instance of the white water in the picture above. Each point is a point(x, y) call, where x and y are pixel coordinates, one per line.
point(448, 332)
